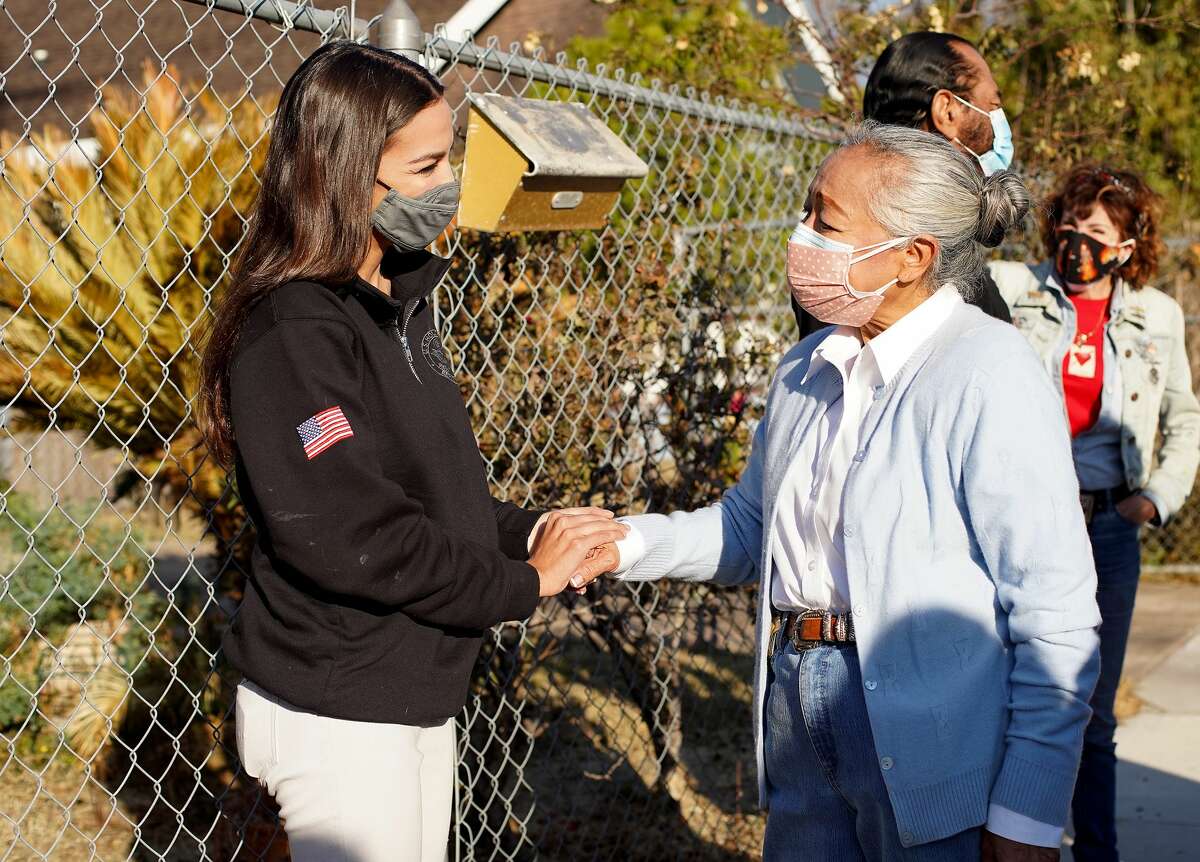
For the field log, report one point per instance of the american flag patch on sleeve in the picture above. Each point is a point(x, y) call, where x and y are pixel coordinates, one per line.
point(319, 432)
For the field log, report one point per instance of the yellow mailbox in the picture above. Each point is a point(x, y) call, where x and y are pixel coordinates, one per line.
point(538, 165)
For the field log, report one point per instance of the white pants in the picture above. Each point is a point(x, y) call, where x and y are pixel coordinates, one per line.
point(349, 791)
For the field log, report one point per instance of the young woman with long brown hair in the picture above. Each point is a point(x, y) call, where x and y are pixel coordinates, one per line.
point(381, 556)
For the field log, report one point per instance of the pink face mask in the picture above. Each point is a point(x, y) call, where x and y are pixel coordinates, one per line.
point(818, 271)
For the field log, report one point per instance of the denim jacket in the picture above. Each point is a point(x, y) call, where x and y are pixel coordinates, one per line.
point(1145, 338)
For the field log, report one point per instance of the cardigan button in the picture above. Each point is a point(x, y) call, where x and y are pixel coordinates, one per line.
point(871, 685)
point(1128, 353)
point(907, 838)
point(887, 763)
point(1133, 397)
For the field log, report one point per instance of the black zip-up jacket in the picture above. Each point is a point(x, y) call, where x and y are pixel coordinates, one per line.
point(381, 559)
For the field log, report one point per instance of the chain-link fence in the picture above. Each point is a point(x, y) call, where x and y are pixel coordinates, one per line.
point(620, 366)
point(623, 367)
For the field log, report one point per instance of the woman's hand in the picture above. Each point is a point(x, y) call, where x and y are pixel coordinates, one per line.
point(592, 511)
point(601, 560)
point(1137, 509)
point(565, 547)
point(997, 849)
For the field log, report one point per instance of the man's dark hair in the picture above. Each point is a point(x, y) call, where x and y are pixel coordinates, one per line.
point(910, 71)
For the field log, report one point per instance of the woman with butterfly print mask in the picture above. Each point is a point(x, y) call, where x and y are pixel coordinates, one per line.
point(1115, 347)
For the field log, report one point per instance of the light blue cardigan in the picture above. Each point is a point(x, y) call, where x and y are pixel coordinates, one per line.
point(970, 571)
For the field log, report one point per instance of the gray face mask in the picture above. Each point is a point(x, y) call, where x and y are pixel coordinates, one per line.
point(411, 224)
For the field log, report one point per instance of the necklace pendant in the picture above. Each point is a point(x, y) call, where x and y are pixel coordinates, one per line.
point(1081, 361)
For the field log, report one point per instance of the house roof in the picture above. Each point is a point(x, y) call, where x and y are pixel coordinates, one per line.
point(78, 49)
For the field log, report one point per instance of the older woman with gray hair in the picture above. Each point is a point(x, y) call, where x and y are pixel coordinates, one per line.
point(926, 639)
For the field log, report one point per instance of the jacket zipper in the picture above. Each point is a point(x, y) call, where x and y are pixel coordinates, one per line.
point(402, 333)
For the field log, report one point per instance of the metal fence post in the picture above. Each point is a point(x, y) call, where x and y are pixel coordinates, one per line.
point(400, 31)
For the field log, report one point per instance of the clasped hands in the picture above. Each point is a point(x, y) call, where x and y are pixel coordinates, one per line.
point(570, 548)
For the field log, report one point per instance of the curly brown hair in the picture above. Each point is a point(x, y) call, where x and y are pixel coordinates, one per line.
point(1131, 204)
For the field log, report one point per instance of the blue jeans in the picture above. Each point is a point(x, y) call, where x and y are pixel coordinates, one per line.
point(827, 800)
point(1118, 564)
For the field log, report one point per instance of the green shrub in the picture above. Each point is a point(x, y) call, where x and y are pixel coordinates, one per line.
point(61, 568)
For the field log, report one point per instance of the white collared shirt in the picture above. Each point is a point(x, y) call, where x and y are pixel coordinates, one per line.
point(808, 548)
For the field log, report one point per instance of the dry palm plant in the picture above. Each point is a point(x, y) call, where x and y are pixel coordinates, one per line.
point(111, 264)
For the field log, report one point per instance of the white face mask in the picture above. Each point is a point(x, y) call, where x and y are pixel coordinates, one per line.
point(1000, 156)
point(818, 271)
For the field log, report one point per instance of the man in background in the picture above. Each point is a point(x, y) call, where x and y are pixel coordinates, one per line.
point(940, 83)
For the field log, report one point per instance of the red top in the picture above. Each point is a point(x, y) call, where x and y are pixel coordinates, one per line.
point(1083, 366)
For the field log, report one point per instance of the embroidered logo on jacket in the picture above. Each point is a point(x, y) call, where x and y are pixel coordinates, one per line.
point(435, 355)
point(319, 432)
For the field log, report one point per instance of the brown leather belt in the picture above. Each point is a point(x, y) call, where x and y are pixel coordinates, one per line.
point(806, 628)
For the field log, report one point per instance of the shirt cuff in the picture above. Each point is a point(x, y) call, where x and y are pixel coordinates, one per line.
point(534, 531)
point(1025, 830)
point(631, 549)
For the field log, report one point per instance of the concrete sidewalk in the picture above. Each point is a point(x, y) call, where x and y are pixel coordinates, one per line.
point(1158, 775)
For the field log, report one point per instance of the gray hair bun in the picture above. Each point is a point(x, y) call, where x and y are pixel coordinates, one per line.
point(1003, 202)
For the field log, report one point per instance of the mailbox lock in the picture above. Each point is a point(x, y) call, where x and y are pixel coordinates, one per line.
point(566, 200)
